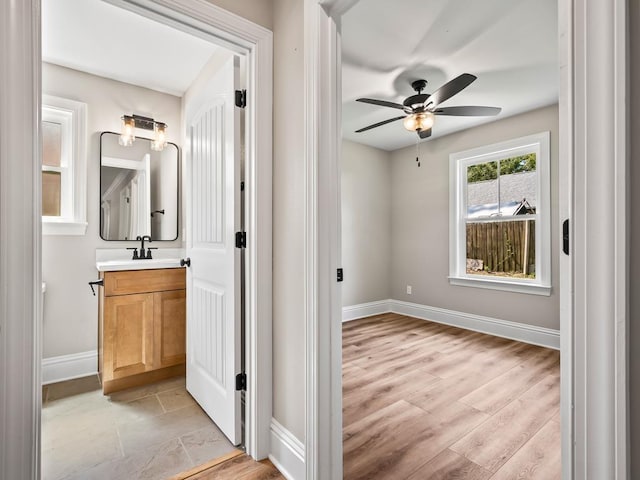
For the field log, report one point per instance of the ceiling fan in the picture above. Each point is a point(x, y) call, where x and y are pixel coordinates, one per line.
point(420, 109)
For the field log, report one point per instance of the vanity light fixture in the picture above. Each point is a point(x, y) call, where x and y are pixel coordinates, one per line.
point(131, 122)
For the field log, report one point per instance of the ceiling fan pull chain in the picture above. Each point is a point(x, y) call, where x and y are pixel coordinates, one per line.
point(418, 152)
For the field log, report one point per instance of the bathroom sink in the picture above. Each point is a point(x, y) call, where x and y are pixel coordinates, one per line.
point(109, 260)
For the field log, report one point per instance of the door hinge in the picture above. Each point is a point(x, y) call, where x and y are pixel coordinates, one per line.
point(241, 381)
point(565, 236)
point(241, 98)
point(340, 276)
point(241, 239)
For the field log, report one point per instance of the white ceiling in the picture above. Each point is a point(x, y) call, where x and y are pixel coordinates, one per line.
point(510, 45)
point(99, 38)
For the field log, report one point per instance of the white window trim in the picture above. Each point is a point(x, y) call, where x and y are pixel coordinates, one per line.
point(72, 115)
point(538, 143)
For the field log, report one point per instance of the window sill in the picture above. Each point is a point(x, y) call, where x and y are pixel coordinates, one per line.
point(63, 227)
point(505, 285)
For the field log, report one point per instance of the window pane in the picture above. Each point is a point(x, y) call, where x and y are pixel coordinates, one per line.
point(518, 185)
point(51, 182)
point(51, 144)
point(502, 249)
point(482, 190)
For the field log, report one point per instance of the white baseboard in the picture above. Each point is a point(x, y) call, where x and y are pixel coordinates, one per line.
point(362, 310)
point(544, 337)
point(67, 367)
point(287, 452)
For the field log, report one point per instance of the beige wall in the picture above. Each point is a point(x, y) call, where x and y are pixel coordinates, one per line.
point(288, 217)
point(258, 11)
point(634, 261)
point(68, 262)
point(420, 225)
point(366, 223)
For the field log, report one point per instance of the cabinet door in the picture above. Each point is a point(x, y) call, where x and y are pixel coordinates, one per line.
point(170, 327)
point(128, 335)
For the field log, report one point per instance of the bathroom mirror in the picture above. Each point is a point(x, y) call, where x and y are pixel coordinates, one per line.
point(138, 190)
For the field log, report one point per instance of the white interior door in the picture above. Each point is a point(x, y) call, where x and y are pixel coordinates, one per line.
point(213, 286)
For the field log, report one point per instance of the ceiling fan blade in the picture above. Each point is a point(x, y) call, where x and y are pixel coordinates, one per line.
point(379, 124)
point(424, 133)
point(449, 89)
point(468, 111)
point(381, 103)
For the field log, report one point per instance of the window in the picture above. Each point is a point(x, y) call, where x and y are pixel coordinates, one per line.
point(64, 202)
point(500, 216)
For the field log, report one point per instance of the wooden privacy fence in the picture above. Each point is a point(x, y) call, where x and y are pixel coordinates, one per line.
point(503, 246)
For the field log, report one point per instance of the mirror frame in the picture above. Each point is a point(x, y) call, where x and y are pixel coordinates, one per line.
point(178, 185)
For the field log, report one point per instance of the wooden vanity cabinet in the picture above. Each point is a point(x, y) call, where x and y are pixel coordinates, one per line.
point(142, 334)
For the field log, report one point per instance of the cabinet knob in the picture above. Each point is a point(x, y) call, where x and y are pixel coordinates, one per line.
point(185, 261)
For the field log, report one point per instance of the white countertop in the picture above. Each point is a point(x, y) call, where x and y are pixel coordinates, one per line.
point(113, 259)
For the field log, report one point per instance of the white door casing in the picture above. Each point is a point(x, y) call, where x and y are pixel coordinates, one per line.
point(20, 257)
point(213, 217)
point(592, 41)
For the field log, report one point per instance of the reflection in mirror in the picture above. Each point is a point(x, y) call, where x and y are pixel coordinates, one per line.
point(138, 190)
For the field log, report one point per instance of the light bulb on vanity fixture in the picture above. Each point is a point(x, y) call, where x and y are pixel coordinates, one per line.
point(131, 122)
point(159, 136)
point(128, 131)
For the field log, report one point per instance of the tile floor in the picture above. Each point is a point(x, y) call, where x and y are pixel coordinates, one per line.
point(150, 432)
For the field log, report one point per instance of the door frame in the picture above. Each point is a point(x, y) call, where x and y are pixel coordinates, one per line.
point(593, 86)
point(20, 216)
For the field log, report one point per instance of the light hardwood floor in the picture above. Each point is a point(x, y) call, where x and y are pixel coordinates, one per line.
point(237, 467)
point(423, 401)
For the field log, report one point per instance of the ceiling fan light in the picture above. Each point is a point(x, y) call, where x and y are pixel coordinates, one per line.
point(418, 121)
point(409, 122)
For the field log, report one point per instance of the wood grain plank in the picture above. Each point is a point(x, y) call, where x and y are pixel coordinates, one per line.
point(505, 388)
point(394, 441)
point(241, 467)
point(361, 323)
point(538, 459)
point(450, 466)
point(383, 334)
point(369, 392)
point(397, 360)
point(359, 327)
point(472, 340)
point(495, 360)
point(189, 474)
point(437, 397)
point(496, 440)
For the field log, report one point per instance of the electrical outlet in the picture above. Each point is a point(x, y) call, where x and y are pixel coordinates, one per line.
point(408, 289)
